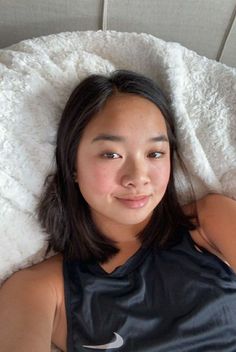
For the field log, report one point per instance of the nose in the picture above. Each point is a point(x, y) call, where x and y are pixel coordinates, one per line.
point(135, 174)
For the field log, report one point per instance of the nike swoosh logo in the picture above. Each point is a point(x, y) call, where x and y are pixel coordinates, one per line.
point(115, 344)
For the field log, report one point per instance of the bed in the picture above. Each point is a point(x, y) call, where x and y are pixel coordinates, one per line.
point(47, 47)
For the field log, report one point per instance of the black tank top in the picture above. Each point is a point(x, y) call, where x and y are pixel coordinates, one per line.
point(173, 300)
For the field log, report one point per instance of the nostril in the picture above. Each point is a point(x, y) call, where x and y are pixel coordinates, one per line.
point(134, 181)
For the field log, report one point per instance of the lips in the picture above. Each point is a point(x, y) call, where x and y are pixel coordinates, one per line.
point(134, 202)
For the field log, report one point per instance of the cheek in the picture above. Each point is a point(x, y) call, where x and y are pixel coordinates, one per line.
point(96, 179)
point(161, 175)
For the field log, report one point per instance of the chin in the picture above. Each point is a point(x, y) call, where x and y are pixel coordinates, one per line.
point(133, 220)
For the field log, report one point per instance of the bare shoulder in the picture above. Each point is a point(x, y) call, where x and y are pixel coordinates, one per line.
point(29, 301)
point(217, 217)
point(48, 271)
point(213, 202)
point(44, 275)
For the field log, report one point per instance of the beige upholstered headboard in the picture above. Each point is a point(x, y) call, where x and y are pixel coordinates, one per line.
point(205, 26)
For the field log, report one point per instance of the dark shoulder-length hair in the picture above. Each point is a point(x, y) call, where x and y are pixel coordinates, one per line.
point(62, 210)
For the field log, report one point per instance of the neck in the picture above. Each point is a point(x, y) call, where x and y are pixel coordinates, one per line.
point(125, 235)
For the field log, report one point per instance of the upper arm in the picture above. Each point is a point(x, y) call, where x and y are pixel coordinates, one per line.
point(217, 216)
point(27, 306)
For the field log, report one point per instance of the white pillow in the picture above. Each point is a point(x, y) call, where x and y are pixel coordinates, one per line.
point(37, 77)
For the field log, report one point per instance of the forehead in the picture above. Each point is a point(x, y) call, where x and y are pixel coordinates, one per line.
point(128, 111)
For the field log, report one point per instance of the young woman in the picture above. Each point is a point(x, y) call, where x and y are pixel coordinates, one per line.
point(134, 271)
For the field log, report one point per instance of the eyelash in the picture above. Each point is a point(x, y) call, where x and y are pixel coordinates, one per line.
point(161, 154)
point(109, 154)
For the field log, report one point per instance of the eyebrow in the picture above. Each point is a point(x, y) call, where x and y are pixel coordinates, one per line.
point(115, 138)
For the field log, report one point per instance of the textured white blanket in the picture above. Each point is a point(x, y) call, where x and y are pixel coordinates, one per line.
point(37, 77)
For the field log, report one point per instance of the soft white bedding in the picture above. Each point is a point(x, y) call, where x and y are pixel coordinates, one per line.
point(36, 78)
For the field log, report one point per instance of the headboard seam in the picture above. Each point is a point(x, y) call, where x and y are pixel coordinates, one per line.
point(104, 15)
point(226, 36)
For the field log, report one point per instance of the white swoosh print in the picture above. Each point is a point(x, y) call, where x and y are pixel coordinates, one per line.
point(115, 344)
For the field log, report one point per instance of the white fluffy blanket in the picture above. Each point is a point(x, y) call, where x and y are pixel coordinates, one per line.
point(37, 77)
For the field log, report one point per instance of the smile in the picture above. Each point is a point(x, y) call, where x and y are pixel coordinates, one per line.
point(134, 203)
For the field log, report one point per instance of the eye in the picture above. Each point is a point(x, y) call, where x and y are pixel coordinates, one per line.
point(156, 155)
point(111, 155)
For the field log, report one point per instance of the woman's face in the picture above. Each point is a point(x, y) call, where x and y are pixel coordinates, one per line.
point(123, 162)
